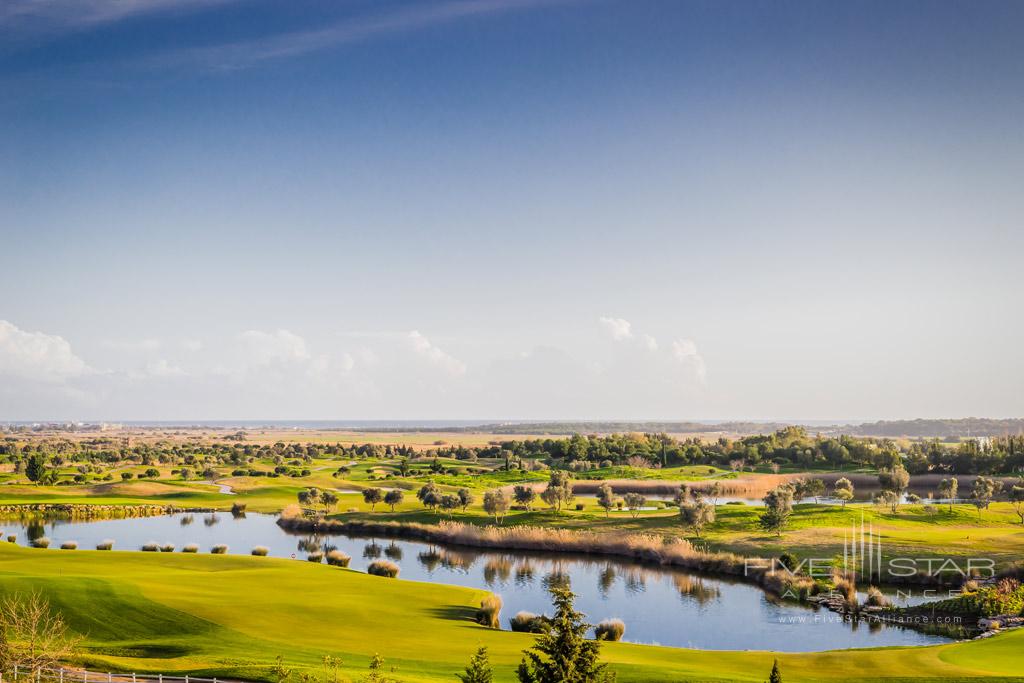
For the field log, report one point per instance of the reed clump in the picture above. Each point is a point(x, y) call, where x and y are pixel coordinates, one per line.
point(219, 549)
point(190, 548)
point(336, 558)
point(260, 551)
point(107, 544)
point(610, 629)
point(69, 545)
point(167, 548)
point(150, 547)
point(876, 598)
point(317, 557)
point(489, 612)
point(527, 622)
point(41, 542)
point(385, 568)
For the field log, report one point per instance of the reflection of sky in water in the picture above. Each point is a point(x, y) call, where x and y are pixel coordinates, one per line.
point(658, 605)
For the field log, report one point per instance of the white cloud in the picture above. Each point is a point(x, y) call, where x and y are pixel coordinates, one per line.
point(37, 356)
point(434, 355)
point(132, 345)
point(162, 368)
point(60, 16)
point(618, 328)
point(685, 351)
point(280, 346)
point(192, 345)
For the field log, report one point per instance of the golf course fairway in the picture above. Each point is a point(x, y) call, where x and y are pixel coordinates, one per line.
point(232, 616)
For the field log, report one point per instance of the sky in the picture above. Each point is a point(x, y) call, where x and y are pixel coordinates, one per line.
point(511, 209)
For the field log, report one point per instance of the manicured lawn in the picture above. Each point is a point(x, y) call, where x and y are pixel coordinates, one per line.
point(232, 615)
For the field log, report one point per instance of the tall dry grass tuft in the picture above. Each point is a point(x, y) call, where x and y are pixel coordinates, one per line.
point(876, 598)
point(150, 547)
point(337, 558)
point(489, 612)
point(69, 545)
point(41, 542)
point(316, 557)
point(107, 544)
point(190, 548)
point(610, 629)
point(167, 548)
point(383, 568)
point(260, 551)
point(219, 549)
point(527, 622)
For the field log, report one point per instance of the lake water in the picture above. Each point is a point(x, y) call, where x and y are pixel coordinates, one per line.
point(658, 605)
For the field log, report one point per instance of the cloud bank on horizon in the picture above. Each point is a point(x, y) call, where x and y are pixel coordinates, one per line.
point(275, 373)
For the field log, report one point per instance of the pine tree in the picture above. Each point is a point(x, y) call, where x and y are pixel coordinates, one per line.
point(562, 654)
point(776, 677)
point(479, 669)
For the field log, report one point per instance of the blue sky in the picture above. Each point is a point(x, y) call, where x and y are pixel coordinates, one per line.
point(510, 209)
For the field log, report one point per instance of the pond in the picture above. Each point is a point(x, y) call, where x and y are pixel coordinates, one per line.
point(659, 605)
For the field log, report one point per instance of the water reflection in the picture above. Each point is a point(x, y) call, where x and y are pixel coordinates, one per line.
point(658, 604)
point(696, 589)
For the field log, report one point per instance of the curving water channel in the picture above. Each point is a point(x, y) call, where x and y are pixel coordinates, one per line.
point(659, 605)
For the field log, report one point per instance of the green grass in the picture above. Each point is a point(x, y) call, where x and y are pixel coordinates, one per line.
point(230, 616)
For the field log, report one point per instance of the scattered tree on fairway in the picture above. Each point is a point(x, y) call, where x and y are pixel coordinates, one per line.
point(948, 489)
point(606, 497)
point(983, 491)
point(1017, 498)
point(695, 516)
point(479, 669)
point(843, 490)
point(524, 495)
point(778, 506)
point(465, 498)
point(562, 654)
point(393, 497)
point(372, 496)
point(496, 504)
point(634, 501)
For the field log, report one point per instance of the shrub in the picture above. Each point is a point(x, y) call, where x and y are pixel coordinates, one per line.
point(219, 549)
point(336, 558)
point(108, 544)
point(190, 548)
point(41, 542)
point(610, 629)
point(151, 547)
point(846, 588)
point(69, 545)
point(490, 608)
point(383, 568)
point(12, 539)
point(876, 599)
point(167, 548)
point(527, 622)
point(317, 557)
point(580, 506)
point(260, 551)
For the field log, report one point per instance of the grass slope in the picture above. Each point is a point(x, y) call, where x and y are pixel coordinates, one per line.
point(231, 616)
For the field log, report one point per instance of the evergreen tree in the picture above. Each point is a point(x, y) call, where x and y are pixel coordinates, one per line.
point(479, 669)
point(562, 654)
point(775, 677)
